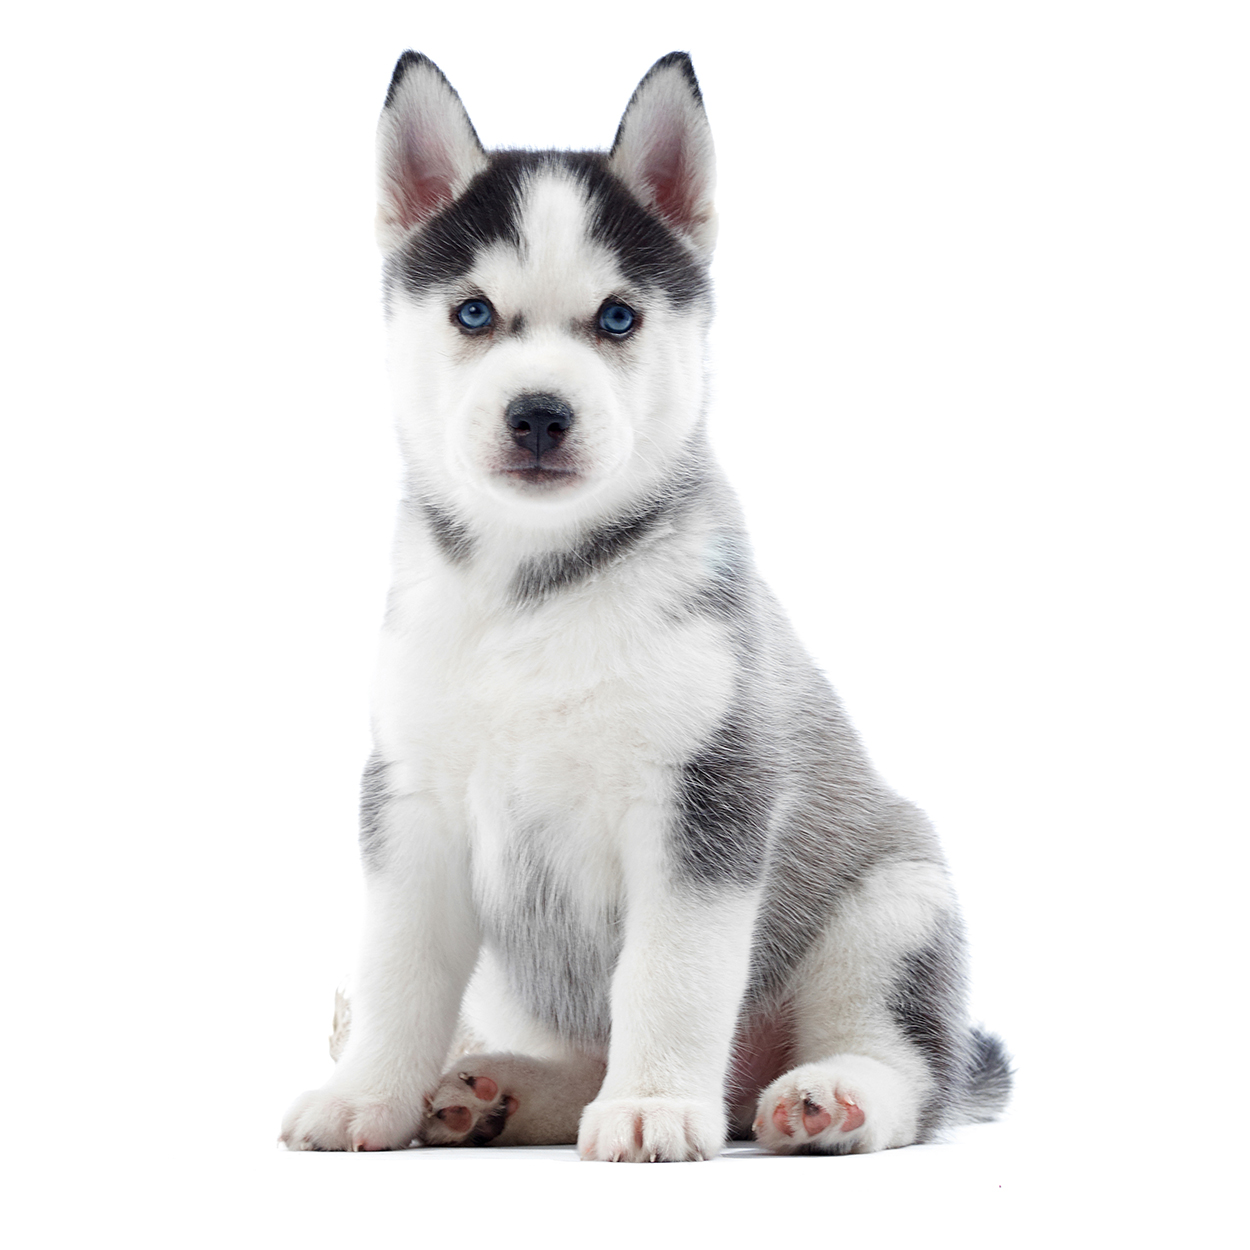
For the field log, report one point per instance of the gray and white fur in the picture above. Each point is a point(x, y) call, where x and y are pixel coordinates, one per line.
point(632, 881)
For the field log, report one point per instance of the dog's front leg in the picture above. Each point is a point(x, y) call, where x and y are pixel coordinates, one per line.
point(675, 999)
point(420, 944)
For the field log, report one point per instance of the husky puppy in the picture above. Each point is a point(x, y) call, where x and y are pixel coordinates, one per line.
point(623, 848)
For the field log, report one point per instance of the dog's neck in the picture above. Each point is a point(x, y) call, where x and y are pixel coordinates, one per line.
point(506, 562)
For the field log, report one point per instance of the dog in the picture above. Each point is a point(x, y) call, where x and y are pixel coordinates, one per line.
point(631, 879)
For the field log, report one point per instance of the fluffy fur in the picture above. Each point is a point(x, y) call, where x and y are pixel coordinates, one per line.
point(632, 881)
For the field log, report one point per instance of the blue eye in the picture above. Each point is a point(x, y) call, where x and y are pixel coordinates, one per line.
point(475, 314)
point(616, 319)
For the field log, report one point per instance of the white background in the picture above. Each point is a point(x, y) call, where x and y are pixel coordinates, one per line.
point(981, 365)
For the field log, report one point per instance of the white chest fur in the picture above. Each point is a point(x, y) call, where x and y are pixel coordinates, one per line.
point(548, 723)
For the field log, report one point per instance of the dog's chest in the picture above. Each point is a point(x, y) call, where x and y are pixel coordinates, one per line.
point(561, 717)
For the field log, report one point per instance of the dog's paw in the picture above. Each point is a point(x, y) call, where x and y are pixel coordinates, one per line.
point(510, 1100)
point(469, 1108)
point(650, 1130)
point(324, 1119)
point(814, 1110)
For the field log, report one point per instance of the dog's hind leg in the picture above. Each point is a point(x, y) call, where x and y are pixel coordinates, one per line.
point(510, 1079)
point(511, 1100)
point(881, 1040)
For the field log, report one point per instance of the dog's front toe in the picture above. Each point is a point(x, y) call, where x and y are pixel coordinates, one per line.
point(650, 1130)
point(325, 1119)
point(847, 1104)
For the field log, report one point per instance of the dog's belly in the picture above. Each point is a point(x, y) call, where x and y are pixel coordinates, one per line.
point(550, 827)
point(553, 928)
point(548, 884)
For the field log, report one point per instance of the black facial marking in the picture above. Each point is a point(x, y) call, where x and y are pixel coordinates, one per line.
point(648, 253)
point(557, 570)
point(373, 796)
point(450, 533)
point(446, 247)
point(724, 801)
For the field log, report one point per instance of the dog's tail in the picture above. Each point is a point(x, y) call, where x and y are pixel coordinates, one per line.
point(988, 1086)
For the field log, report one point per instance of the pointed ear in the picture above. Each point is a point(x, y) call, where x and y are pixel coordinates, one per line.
point(663, 150)
point(428, 151)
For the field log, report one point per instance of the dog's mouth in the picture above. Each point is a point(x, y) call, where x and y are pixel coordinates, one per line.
point(552, 471)
point(541, 475)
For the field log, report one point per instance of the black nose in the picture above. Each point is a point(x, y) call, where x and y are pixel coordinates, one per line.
point(538, 422)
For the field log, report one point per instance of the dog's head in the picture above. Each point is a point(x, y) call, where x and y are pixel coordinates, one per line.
point(547, 310)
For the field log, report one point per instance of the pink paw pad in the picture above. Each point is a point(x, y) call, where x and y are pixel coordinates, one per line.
point(781, 1118)
point(854, 1115)
point(790, 1114)
point(815, 1118)
point(483, 1087)
point(457, 1119)
point(471, 1113)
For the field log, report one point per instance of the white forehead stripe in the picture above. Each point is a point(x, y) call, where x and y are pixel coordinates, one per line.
point(558, 272)
point(555, 216)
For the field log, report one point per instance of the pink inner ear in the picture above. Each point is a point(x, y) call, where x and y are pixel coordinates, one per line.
point(426, 179)
point(667, 173)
